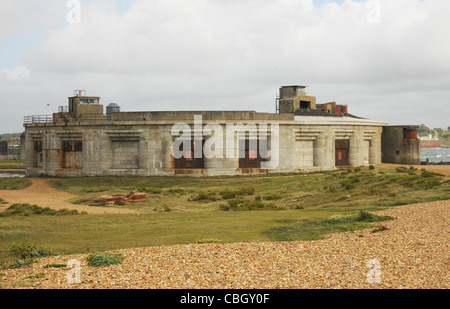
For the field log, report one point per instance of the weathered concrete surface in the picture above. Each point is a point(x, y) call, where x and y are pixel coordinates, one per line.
point(397, 149)
point(141, 144)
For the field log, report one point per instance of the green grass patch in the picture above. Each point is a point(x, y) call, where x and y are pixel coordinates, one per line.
point(249, 205)
point(54, 266)
point(316, 229)
point(345, 188)
point(23, 254)
point(36, 276)
point(204, 196)
point(209, 241)
point(12, 164)
point(34, 210)
point(230, 194)
point(14, 183)
point(104, 259)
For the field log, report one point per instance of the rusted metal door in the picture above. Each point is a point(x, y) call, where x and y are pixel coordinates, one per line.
point(72, 154)
point(342, 147)
point(188, 160)
point(249, 156)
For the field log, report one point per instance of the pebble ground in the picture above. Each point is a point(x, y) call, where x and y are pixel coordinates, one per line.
point(413, 253)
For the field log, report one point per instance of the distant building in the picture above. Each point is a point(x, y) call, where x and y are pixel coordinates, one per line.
point(10, 149)
point(430, 142)
point(3, 148)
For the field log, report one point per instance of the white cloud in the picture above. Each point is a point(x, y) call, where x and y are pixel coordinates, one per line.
point(18, 74)
point(202, 54)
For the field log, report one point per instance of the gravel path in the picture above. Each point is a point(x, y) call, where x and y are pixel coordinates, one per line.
point(413, 253)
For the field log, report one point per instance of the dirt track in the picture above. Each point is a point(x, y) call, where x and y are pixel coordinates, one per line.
point(42, 194)
point(441, 169)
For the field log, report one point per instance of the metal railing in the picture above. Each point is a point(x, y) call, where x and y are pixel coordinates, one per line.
point(63, 117)
point(38, 119)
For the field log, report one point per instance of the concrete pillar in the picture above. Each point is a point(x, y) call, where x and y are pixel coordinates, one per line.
point(167, 160)
point(375, 149)
point(356, 151)
point(304, 153)
point(29, 153)
point(231, 150)
point(324, 151)
point(214, 148)
point(52, 152)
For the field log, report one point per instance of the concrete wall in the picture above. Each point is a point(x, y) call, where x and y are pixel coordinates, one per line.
point(144, 147)
point(397, 149)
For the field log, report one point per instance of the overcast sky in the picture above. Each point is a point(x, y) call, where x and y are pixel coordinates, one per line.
point(388, 60)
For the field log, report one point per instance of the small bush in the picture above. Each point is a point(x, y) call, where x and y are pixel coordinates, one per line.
point(34, 210)
point(350, 183)
point(341, 218)
point(28, 250)
point(205, 196)
point(365, 216)
point(209, 241)
point(103, 259)
point(380, 228)
point(25, 254)
point(20, 263)
point(361, 216)
point(230, 194)
point(54, 266)
point(176, 191)
point(401, 169)
point(273, 197)
point(247, 205)
point(37, 276)
point(371, 167)
point(149, 190)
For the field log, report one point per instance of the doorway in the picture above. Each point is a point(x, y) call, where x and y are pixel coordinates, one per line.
point(342, 149)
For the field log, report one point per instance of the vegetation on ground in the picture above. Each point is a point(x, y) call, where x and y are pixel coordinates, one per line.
point(14, 183)
point(313, 229)
point(181, 210)
point(12, 164)
point(104, 259)
point(23, 254)
point(34, 210)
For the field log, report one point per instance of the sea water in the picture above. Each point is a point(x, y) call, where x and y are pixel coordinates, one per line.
point(435, 155)
point(10, 175)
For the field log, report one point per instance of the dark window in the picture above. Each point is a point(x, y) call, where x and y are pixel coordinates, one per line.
point(38, 146)
point(72, 146)
point(305, 104)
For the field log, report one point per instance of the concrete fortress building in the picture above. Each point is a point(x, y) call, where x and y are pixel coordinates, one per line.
point(302, 136)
